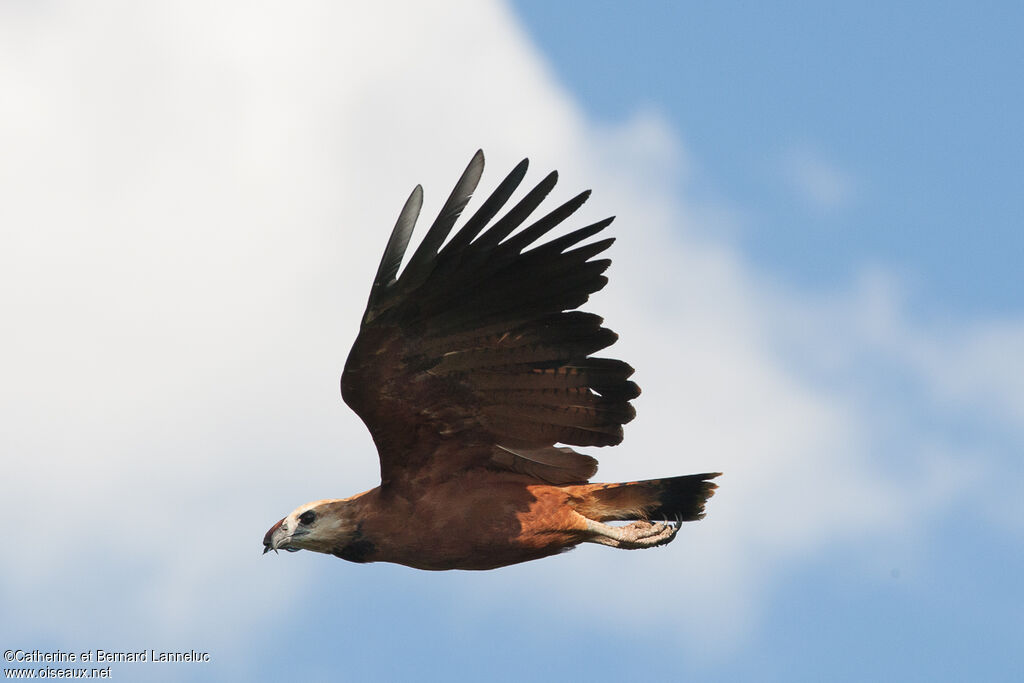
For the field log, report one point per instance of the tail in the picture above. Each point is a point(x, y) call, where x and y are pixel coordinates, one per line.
point(674, 498)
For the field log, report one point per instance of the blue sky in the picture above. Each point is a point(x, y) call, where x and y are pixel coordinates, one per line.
point(816, 277)
point(916, 104)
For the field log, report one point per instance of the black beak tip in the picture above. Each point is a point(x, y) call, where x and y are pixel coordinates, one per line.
point(268, 538)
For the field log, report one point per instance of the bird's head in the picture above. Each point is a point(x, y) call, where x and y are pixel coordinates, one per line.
point(324, 526)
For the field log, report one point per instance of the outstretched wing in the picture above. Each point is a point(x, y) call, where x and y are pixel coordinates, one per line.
point(475, 355)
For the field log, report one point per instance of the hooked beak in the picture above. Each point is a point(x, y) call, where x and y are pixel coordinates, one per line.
point(272, 539)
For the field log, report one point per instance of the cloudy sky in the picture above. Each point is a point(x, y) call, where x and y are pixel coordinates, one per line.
point(817, 277)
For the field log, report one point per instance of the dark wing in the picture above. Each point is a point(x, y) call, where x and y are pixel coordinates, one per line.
point(475, 356)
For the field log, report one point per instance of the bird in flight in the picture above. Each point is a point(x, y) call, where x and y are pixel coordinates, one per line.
point(473, 371)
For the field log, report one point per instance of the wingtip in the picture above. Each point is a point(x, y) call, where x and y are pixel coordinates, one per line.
point(414, 202)
point(477, 161)
point(466, 186)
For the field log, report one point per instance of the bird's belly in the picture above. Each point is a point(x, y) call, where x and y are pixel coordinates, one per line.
point(503, 527)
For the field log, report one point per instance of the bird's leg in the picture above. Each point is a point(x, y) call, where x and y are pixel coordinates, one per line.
point(639, 534)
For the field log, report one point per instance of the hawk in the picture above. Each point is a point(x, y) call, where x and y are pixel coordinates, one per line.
point(474, 372)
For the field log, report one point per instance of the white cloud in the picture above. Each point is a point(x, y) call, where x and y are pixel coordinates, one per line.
point(197, 196)
point(817, 181)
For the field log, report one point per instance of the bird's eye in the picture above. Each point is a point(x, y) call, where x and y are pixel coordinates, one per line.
point(307, 517)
